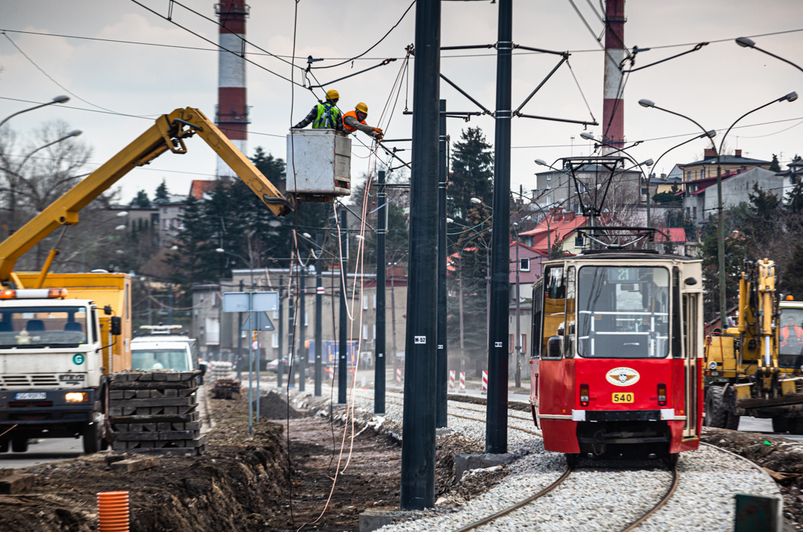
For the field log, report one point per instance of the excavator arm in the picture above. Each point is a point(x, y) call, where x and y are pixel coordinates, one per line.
point(168, 133)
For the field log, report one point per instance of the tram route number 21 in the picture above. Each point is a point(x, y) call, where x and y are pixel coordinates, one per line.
point(622, 397)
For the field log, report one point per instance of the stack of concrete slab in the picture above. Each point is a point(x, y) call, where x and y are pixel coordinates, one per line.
point(155, 412)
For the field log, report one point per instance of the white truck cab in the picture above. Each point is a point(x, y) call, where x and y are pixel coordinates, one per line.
point(51, 368)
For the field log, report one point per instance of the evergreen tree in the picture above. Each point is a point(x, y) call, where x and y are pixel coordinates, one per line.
point(774, 164)
point(141, 200)
point(161, 193)
point(471, 176)
point(194, 260)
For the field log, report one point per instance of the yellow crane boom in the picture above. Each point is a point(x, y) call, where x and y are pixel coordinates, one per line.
point(166, 134)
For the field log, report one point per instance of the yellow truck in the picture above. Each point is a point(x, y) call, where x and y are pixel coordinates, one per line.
point(754, 368)
point(62, 335)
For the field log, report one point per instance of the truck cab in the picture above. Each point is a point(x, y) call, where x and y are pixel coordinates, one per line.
point(51, 368)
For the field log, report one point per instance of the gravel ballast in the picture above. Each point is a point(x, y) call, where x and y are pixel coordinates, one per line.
point(595, 497)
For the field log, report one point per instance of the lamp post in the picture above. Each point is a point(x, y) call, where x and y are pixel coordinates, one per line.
point(721, 246)
point(746, 42)
point(59, 99)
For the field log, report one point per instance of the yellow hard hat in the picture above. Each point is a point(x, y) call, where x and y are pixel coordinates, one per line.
point(332, 94)
point(362, 107)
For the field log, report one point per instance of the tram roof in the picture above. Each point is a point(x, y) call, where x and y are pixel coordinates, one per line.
point(625, 254)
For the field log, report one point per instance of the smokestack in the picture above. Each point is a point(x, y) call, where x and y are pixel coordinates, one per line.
point(231, 113)
point(613, 121)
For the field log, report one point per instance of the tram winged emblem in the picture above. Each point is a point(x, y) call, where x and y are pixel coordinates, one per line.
point(622, 376)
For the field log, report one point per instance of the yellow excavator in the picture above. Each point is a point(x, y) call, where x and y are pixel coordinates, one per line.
point(755, 367)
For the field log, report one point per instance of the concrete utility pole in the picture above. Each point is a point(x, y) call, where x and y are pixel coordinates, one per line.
point(418, 448)
point(342, 396)
point(280, 367)
point(380, 382)
point(303, 352)
point(290, 344)
point(318, 327)
point(441, 419)
point(499, 311)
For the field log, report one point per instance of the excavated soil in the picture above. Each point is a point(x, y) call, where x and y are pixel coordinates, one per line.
point(228, 488)
point(781, 458)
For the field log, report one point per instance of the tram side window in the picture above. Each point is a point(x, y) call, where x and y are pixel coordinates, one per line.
point(553, 309)
point(568, 323)
point(537, 307)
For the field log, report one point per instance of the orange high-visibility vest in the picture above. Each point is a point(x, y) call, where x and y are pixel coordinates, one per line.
point(349, 129)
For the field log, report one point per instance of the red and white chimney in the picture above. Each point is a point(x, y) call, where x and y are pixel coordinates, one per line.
point(232, 115)
point(613, 120)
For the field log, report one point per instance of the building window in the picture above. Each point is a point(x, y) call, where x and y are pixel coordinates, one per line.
point(524, 264)
point(703, 173)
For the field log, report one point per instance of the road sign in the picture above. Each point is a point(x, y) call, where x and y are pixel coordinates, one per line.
point(239, 301)
point(258, 321)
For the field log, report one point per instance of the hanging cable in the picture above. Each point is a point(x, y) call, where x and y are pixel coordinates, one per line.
point(351, 59)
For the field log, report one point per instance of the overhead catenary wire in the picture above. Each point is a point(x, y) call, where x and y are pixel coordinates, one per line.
point(54, 80)
point(374, 58)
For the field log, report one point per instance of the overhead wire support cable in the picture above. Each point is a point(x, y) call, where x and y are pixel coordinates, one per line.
point(383, 63)
point(466, 95)
point(467, 47)
point(565, 54)
point(633, 56)
point(557, 119)
point(348, 60)
point(541, 84)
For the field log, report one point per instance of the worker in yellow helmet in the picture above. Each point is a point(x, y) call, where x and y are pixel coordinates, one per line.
point(355, 120)
point(324, 114)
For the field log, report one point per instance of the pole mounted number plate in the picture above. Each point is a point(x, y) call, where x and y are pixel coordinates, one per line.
point(420, 340)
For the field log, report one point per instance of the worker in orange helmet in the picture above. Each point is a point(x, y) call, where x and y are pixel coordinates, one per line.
point(355, 120)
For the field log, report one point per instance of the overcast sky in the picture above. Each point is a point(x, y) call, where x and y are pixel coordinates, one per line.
point(715, 85)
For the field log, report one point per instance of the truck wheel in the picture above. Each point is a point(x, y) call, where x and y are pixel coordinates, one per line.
point(19, 444)
point(91, 438)
point(779, 424)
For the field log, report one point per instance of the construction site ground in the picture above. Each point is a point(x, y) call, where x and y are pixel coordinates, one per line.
point(239, 483)
point(250, 483)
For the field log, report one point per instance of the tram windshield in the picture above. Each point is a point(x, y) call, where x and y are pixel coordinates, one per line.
point(623, 312)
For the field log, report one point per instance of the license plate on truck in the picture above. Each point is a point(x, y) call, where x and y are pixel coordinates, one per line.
point(27, 396)
point(622, 397)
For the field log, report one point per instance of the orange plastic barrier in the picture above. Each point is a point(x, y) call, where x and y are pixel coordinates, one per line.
point(113, 510)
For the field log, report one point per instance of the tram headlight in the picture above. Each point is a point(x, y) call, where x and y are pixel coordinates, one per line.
point(662, 394)
point(584, 395)
point(713, 365)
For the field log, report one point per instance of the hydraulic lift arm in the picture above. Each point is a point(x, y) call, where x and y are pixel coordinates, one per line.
point(167, 133)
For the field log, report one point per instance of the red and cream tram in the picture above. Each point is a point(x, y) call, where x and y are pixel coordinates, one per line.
point(617, 354)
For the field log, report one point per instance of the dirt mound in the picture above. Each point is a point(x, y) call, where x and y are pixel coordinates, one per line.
point(782, 459)
point(238, 484)
point(274, 407)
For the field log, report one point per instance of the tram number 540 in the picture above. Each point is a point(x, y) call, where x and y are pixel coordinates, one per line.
point(622, 397)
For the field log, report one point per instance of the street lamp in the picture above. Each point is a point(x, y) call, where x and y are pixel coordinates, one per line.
point(721, 246)
point(746, 42)
point(60, 99)
point(72, 133)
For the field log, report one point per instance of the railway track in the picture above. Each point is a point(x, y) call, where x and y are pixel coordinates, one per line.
point(552, 486)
